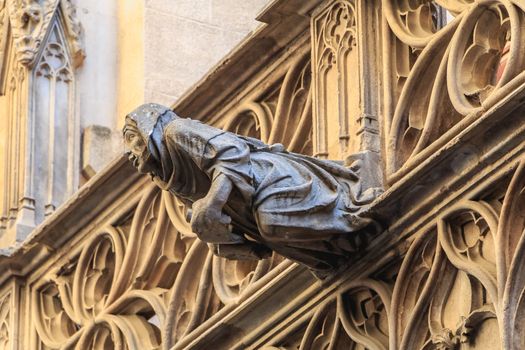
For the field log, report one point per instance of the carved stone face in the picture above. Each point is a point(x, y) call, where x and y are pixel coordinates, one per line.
point(138, 128)
point(136, 145)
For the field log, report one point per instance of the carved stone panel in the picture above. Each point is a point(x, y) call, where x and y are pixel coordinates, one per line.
point(11, 319)
point(6, 324)
point(344, 79)
point(446, 63)
point(140, 283)
point(280, 113)
point(39, 50)
point(55, 120)
point(357, 317)
point(336, 80)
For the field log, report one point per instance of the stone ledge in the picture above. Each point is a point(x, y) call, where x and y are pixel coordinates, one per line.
point(441, 174)
point(115, 181)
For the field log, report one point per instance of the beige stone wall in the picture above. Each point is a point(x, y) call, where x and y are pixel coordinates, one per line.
point(130, 56)
point(138, 51)
point(184, 39)
point(167, 46)
point(97, 75)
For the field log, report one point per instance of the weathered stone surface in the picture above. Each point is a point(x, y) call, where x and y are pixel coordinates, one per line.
point(435, 103)
point(199, 32)
point(97, 77)
point(306, 209)
point(100, 145)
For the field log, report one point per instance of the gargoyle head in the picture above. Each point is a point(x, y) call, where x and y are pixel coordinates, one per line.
point(138, 128)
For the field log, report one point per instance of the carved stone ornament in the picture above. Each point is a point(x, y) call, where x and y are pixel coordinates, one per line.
point(30, 21)
point(248, 198)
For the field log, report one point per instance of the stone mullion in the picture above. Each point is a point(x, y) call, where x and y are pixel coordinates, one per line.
point(346, 84)
point(368, 38)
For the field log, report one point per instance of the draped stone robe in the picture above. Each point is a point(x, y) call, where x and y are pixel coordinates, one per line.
point(301, 207)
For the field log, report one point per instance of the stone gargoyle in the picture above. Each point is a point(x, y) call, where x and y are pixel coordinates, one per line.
point(248, 198)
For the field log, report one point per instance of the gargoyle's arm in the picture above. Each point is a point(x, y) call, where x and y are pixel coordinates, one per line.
point(207, 219)
point(219, 192)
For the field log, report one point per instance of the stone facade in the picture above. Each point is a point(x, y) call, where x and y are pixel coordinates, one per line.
point(69, 69)
point(426, 96)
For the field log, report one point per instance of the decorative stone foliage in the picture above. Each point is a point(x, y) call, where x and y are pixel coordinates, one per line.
point(136, 284)
point(441, 76)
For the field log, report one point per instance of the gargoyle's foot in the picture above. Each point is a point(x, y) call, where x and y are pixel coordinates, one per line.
point(247, 250)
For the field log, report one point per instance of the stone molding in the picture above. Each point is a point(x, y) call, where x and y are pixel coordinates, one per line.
point(30, 21)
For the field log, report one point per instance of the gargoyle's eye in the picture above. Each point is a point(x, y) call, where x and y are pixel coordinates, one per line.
point(130, 136)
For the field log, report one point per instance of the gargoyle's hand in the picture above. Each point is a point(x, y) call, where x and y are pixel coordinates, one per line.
point(210, 223)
